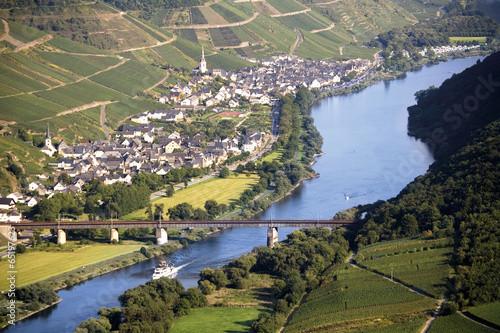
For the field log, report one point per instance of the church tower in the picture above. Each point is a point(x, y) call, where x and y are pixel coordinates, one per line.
point(48, 148)
point(203, 63)
point(48, 140)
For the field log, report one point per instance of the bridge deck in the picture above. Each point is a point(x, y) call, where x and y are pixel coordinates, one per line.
point(184, 224)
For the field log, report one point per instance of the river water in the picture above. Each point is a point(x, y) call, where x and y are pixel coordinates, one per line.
point(368, 157)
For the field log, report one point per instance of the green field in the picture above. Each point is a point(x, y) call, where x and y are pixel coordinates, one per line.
point(424, 264)
point(190, 49)
point(32, 267)
point(459, 40)
point(456, 323)
point(174, 57)
point(81, 65)
point(70, 46)
point(130, 78)
point(197, 16)
point(80, 93)
point(190, 35)
point(359, 299)
point(27, 108)
point(489, 312)
point(224, 190)
point(302, 21)
point(227, 61)
point(220, 319)
point(24, 33)
point(286, 6)
point(228, 12)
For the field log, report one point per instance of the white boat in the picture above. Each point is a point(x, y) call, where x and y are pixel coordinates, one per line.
point(164, 269)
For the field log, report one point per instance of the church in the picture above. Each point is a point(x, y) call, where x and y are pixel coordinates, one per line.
point(48, 148)
point(202, 65)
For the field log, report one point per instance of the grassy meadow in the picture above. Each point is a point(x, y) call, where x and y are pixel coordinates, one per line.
point(36, 266)
point(224, 190)
point(220, 319)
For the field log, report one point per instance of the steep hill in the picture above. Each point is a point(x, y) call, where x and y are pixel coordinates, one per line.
point(459, 196)
point(81, 66)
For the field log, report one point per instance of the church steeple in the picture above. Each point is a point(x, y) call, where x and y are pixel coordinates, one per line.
point(48, 148)
point(203, 64)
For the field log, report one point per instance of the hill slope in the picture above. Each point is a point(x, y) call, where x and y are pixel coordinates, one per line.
point(459, 196)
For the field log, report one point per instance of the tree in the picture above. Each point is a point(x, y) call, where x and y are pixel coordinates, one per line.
point(206, 287)
point(196, 298)
point(240, 168)
point(149, 211)
point(409, 225)
point(65, 178)
point(224, 172)
point(212, 208)
point(182, 211)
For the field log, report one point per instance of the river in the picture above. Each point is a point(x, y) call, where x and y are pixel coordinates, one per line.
point(368, 157)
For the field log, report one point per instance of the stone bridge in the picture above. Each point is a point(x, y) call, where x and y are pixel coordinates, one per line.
point(161, 226)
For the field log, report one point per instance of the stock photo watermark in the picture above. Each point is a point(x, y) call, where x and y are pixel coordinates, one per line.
point(454, 116)
point(11, 275)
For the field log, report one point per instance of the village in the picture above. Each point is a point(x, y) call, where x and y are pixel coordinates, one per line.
point(147, 148)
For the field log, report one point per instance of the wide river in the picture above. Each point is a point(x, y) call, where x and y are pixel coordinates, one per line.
point(368, 157)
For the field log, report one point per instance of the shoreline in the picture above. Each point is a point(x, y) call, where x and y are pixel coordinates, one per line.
point(131, 256)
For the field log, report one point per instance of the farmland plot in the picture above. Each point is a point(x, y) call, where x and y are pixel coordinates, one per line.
point(190, 35)
point(229, 13)
point(425, 265)
point(286, 6)
point(79, 64)
point(212, 16)
point(224, 37)
point(197, 16)
point(360, 299)
point(130, 78)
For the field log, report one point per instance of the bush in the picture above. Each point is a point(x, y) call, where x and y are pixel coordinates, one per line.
point(206, 287)
point(449, 308)
point(20, 248)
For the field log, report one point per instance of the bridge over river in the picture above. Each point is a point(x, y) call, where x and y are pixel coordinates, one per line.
point(161, 226)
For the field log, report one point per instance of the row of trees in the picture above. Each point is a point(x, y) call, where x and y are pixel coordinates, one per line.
point(151, 307)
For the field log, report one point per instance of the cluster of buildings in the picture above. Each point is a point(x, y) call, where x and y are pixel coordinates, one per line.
point(142, 148)
point(259, 85)
point(448, 49)
point(8, 211)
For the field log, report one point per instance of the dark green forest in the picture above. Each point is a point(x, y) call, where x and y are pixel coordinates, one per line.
point(460, 196)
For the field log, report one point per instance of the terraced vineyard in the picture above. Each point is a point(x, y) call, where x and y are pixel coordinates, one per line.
point(420, 263)
point(487, 312)
point(358, 299)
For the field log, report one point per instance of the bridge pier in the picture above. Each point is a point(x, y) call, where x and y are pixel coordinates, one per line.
point(272, 236)
point(61, 236)
point(161, 236)
point(114, 235)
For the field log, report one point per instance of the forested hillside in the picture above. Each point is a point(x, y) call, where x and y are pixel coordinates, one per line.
point(460, 196)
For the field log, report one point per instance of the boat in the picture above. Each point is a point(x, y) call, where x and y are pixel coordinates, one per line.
point(163, 269)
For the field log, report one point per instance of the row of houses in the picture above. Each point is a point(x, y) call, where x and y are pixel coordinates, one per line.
point(8, 211)
point(259, 84)
point(118, 160)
